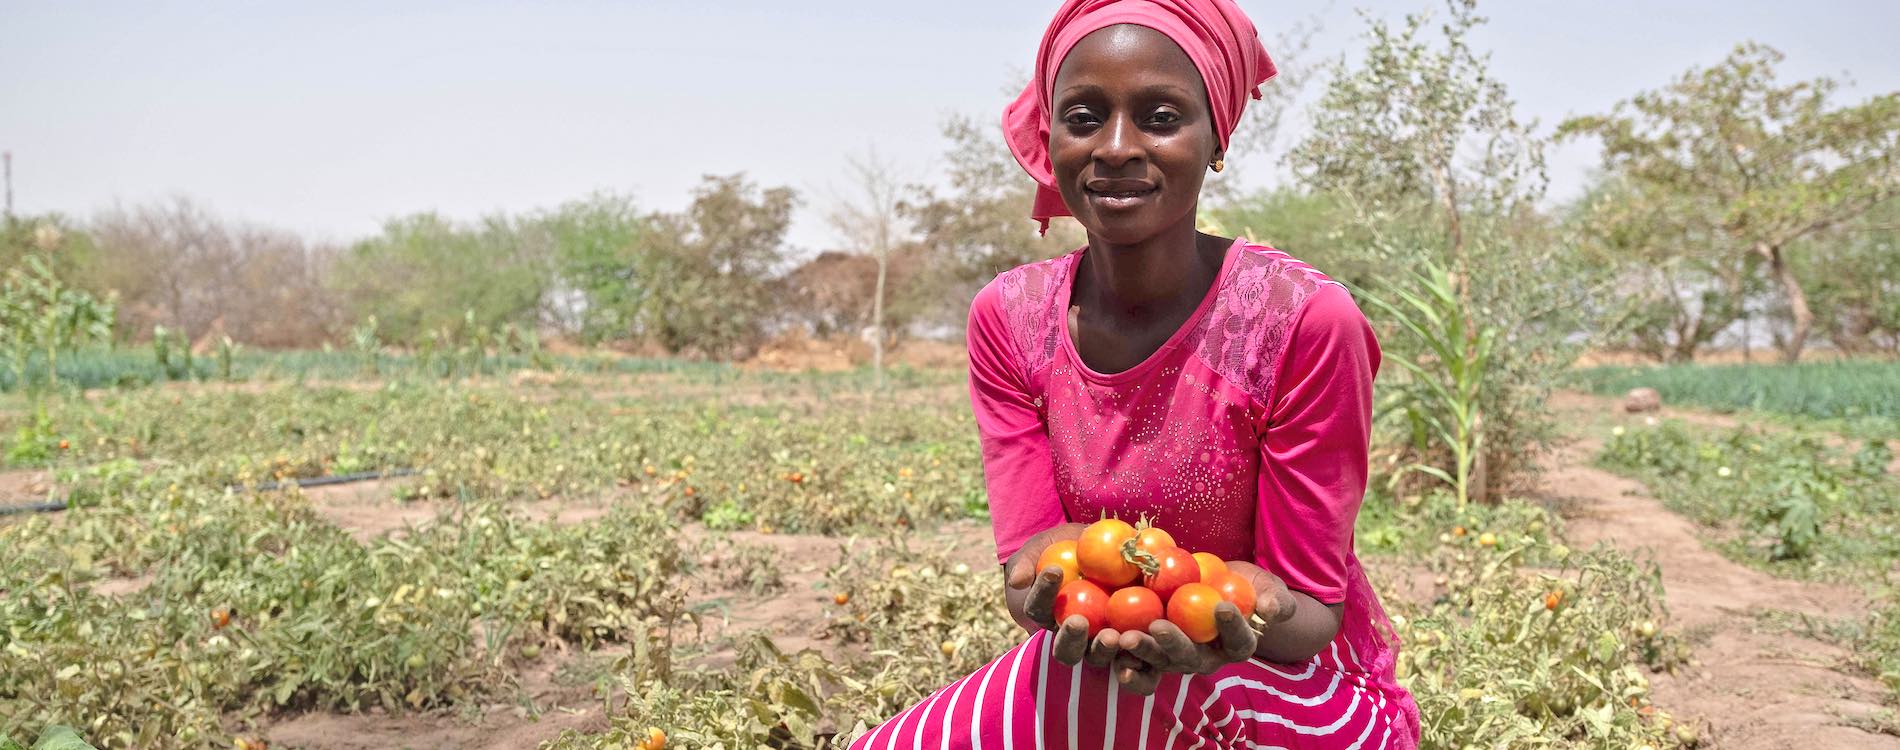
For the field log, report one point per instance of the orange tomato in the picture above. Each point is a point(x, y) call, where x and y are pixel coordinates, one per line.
point(1211, 564)
point(655, 740)
point(1192, 610)
point(220, 618)
point(1099, 552)
point(1154, 541)
point(1133, 608)
point(1083, 598)
point(1553, 599)
point(1235, 588)
point(1061, 554)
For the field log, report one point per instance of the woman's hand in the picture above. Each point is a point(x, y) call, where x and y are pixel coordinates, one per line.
point(1141, 658)
point(1031, 596)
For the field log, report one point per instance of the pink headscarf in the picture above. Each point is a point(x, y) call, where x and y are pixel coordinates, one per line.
point(1215, 34)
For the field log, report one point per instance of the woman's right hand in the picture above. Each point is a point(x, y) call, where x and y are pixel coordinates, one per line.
point(1031, 596)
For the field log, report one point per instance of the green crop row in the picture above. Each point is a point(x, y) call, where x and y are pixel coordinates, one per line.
point(1848, 390)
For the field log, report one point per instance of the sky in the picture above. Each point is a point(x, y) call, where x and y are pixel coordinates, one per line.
point(329, 118)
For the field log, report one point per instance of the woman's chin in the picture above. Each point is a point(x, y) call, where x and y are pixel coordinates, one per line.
point(1122, 229)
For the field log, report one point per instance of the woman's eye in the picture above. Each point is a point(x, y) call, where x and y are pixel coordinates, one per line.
point(1078, 119)
point(1164, 118)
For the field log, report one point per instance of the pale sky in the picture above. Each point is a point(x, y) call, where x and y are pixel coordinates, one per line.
point(328, 118)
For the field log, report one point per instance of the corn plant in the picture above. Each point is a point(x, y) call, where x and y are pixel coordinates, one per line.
point(1442, 400)
point(41, 315)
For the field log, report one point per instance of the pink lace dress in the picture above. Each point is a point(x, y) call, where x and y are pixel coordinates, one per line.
point(1244, 435)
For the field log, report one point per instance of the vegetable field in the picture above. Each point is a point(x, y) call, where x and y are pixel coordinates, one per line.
point(710, 557)
point(1847, 390)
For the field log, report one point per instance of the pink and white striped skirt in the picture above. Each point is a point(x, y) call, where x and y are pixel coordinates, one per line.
point(1025, 699)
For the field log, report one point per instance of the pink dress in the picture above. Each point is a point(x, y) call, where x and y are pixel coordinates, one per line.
point(1244, 435)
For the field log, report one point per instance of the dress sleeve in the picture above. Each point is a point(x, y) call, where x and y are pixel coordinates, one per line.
point(1313, 446)
point(1016, 464)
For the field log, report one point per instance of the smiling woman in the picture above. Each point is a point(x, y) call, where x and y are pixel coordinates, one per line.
point(1218, 388)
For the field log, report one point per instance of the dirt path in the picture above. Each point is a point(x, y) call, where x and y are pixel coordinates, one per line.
point(1755, 688)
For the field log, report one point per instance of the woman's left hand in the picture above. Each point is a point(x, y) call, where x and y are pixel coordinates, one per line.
point(1142, 658)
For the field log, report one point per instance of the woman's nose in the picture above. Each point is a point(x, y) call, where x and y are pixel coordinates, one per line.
point(1120, 142)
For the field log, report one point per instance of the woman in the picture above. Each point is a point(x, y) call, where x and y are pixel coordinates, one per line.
point(1221, 388)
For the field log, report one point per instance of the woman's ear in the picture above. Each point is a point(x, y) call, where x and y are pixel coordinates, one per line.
point(1219, 162)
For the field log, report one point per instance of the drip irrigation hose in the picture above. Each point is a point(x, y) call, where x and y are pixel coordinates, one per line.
point(55, 506)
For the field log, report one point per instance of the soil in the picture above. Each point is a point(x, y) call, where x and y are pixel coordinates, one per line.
point(1755, 686)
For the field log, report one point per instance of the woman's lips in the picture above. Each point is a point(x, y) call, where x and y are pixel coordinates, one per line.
point(1119, 194)
point(1120, 200)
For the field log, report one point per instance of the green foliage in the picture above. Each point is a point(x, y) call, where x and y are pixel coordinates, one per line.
point(709, 270)
point(1782, 500)
point(492, 270)
point(1724, 163)
point(1525, 658)
point(41, 315)
point(1441, 399)
point(1845, 390)
point(1417, 157)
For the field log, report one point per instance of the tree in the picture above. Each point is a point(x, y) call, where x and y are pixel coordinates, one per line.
point(598, 245)
point(873, 222)
point(426, 273)
point(1677, 288)
point(1418, 150)
point(177, 265)
point(710, 271)
point(979, 225)
point(1853, 276)
point(1751, 165)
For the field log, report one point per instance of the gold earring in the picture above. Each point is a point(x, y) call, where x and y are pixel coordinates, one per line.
point(1219, 164)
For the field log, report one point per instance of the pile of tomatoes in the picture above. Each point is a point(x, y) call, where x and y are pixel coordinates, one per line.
point(1120, 576)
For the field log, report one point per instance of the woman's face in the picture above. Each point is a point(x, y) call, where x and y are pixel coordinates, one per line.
point(1131, 135)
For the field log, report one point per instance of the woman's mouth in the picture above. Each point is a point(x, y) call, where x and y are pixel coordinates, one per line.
point(1116, 195)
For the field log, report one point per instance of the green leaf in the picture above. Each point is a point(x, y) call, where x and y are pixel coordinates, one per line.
point(60, 738)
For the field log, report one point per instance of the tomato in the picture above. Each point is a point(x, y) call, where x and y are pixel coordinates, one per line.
point(1083, 598)
point(1133, 608)
point(1099, 552)
point(1154, 541)
point(1235, 588)
point(655, 740)
point(1061, 554)
point(1210, 564)
point(1178, 569)
point(1192, 610)
point(1553, 599)
point(220, 618)
point(841, 598)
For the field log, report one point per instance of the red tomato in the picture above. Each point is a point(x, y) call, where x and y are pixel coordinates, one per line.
point(1099, 552)
point(1210, 564)
point(1177, 569)
point(1133, 608)
point(1062, 555)
point(1192, 610)
point(1235, 588)
point(1082, 598)
point(1154, 541)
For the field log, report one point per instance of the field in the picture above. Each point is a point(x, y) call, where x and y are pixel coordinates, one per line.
point(750, 558)
point(1857, 396)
